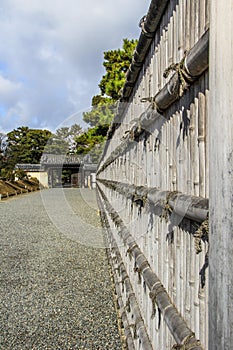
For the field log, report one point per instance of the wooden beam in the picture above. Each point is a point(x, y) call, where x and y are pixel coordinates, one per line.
point(190, 207)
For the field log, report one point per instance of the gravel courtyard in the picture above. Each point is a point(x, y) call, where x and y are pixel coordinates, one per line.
point(55, 285)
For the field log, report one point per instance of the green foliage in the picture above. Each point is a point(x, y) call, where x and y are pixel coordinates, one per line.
point(65, 176)
point(102, 113)
point(100, 100)
point(63, 133)
point(91, 142)
point(7, 174)
point(90, 138)
point(96, 152)
point(116, 64)
point(25, 145)
point(63, 141)
point(56, 145)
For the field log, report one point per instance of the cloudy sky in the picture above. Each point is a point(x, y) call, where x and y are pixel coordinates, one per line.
point(51, 55)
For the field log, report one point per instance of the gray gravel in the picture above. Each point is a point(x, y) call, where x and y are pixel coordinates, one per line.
point(55, 285)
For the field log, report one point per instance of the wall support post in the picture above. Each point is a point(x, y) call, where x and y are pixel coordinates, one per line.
point(221, 176)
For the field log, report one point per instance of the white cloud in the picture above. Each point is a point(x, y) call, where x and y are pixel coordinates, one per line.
point(9, 90)
point(51, 54)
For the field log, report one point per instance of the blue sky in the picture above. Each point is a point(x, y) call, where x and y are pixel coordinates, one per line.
point(51, 55)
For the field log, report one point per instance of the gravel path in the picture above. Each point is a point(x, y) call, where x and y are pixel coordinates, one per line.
point(55, 285)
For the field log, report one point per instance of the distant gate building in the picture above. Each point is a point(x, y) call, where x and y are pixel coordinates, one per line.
point(49, 171)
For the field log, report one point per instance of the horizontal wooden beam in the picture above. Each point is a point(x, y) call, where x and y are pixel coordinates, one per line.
point(190, 207)
point(193, 64)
